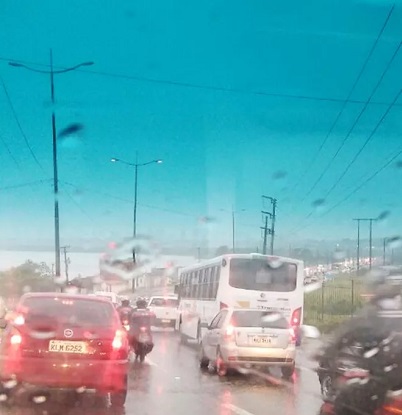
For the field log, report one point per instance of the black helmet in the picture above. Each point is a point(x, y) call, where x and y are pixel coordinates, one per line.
point(141, 303)
point(125, 303)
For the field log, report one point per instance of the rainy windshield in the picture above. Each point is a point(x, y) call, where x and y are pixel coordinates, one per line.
point(163, 153)
point(260, 275)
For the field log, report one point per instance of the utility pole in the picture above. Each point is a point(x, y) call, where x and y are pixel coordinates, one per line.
point(273, 217)
point(370, 220)
point(266, 231)
point(66, 261)
point(384, 246)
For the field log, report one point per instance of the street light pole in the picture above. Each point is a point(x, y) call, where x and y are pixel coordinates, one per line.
point(55, 172)
point(233, 231)
point(52, 72)
point(136, 165)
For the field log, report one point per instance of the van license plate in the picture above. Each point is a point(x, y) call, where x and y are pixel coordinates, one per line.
point(262, 340)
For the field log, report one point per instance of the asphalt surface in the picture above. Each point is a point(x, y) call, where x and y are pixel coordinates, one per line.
point(170, 383)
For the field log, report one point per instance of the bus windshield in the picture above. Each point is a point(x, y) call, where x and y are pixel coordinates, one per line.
point(260, 275)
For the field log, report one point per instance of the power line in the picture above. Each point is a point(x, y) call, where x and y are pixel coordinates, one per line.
point(369, 138)
point(201, 86)
point(354, 191)
point(14, 112)
point(18, 186)
point(363, 68)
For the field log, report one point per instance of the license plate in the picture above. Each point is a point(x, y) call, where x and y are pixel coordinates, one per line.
point(62, 346)
point(262, 340)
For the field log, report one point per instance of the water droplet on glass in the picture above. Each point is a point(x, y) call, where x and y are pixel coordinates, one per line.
point(271, 317)
point(71, 129)
point(383, 216)
point(280, 174)
point(318, 203)
point(39, 399)
point(398, 164)
point(206, 220)
point(3, 397)
point(394, 242)
point(275, 263)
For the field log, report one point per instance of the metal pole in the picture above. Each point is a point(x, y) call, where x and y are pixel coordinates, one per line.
point(55, 172)
point(233, 231)
point(371, 242)
point(135, 201)
point(273, 225)
point(264, 248)
point(383, 250)
point(358, 245)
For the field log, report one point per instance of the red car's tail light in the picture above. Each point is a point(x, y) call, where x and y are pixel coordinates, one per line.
point(118, 341)
point(15, 339)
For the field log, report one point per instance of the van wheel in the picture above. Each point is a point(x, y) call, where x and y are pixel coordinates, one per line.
point(221, 368)
point(204, 361)
point(183, 337)
point(287, 371)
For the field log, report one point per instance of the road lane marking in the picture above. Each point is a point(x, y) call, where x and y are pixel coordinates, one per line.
point(236, 409)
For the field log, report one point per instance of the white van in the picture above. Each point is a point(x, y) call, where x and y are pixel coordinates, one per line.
point(113, 297)
point(165, 310)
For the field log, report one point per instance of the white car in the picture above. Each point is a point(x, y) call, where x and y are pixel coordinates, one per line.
point(245, 338)
point(111, 296)
point(165, 310)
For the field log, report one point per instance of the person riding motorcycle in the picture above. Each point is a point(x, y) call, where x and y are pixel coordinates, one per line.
point(141, 319)
point(377, 330)
point(125, 310)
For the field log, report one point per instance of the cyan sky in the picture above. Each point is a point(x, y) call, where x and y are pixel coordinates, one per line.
point(219, 148)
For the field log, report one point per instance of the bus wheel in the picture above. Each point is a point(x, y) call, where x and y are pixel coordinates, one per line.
point(204, 361)
point(183, 337)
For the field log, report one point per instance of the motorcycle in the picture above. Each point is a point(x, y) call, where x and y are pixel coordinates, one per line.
point(143, 343)
point(141, 335)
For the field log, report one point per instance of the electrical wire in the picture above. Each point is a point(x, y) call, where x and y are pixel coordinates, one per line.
point(201, 86)
point(318, 152)
point(15, 115)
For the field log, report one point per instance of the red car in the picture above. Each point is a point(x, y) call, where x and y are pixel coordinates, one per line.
point(63, 341)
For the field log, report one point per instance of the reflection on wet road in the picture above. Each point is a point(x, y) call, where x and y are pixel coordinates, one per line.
point(170, 382)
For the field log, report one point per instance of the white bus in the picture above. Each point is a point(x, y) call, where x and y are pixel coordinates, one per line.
point(239, 280)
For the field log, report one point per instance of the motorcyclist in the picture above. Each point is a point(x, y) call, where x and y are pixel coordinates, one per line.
point(141, 318)
point(377, 329)
point(125, 310)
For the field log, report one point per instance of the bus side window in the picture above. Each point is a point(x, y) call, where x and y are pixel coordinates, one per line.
point(216, 282)
point(194, 284)
point(210, 293)
point(205, 283)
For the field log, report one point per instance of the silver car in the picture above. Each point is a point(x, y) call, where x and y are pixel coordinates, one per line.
point(245, 338)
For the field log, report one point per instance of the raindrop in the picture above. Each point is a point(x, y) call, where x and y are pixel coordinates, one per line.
point(394, 242)
point(275, 263)
point(72, 129)
point(10, 384)
point(270, 318)
point(383, 215)
point(398, 164)
point(82, 389)
point(280, 174)
point(370, 353)
point(39, 399)
point(3, 397)
point(318, 204)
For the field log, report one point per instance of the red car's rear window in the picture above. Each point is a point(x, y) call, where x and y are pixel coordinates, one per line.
point(81, 312)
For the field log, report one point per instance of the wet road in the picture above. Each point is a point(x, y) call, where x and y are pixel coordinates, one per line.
point(170, 382)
